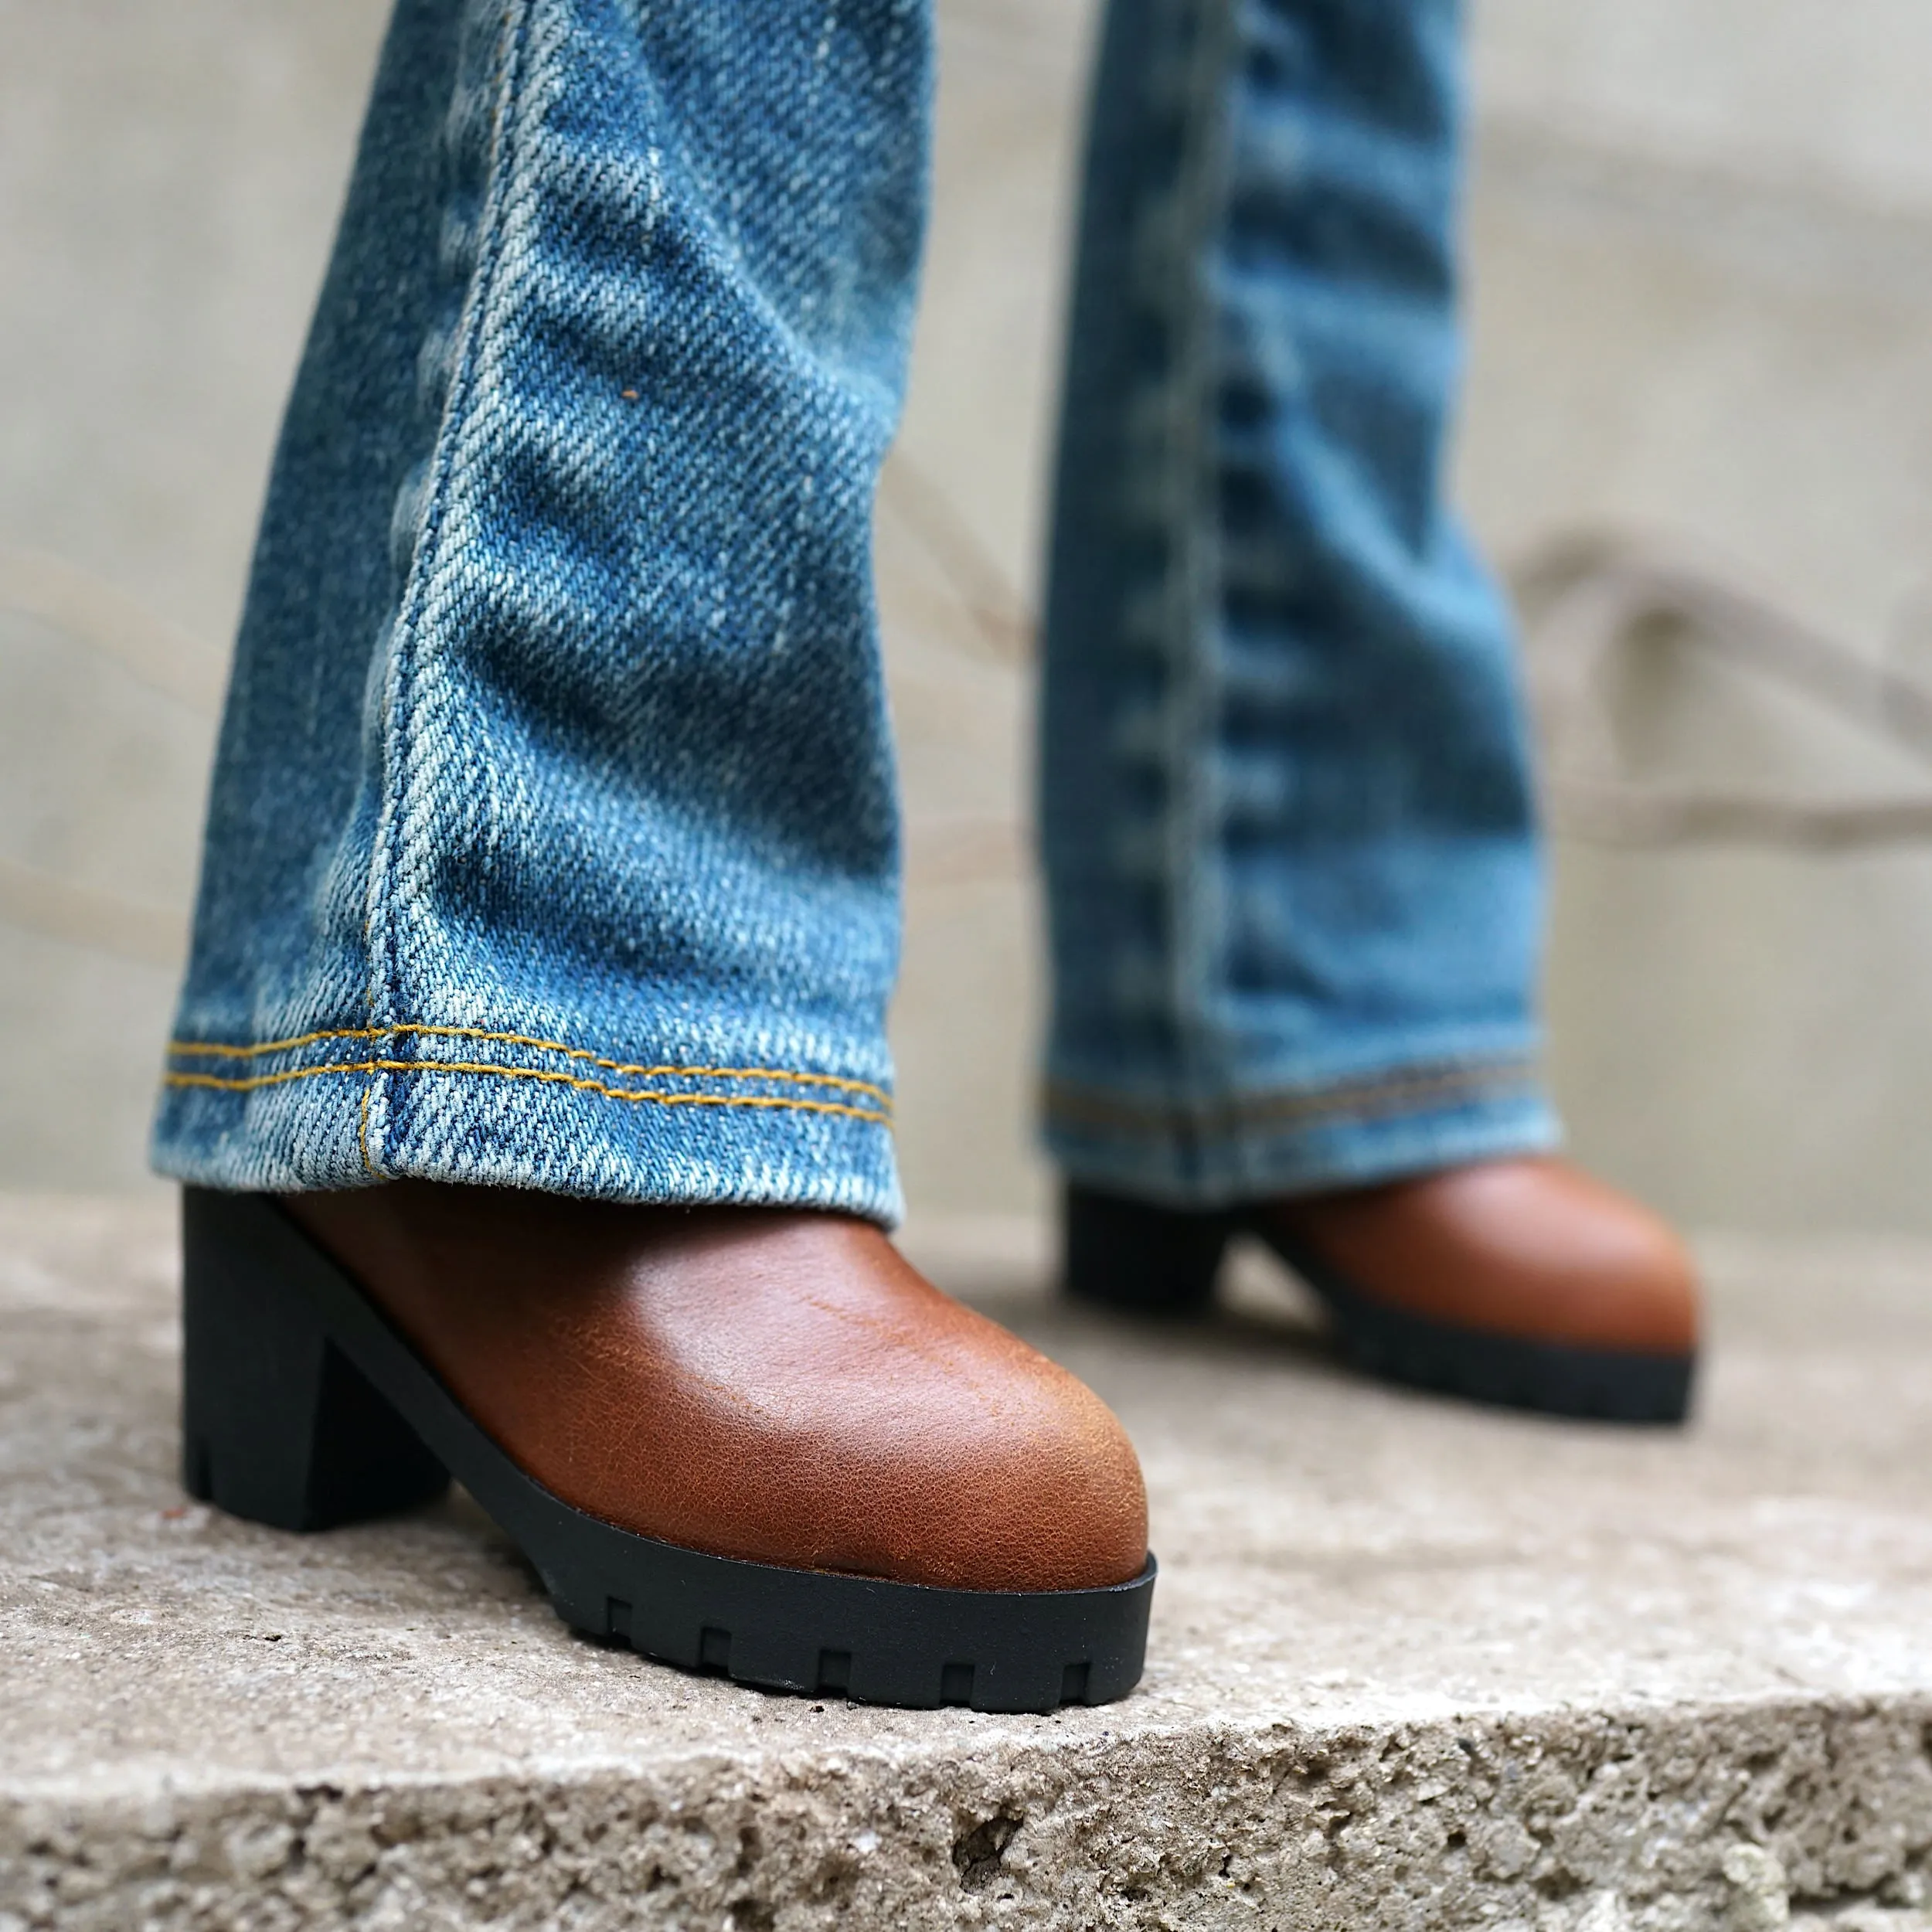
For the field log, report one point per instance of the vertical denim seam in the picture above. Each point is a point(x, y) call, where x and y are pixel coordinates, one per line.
point(386, 992)
point(1189, 505)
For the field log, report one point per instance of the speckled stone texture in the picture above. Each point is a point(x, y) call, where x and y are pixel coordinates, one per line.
point(1412, 1665)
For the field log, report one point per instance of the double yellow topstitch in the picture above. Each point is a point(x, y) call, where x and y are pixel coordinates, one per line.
point(880, 1114)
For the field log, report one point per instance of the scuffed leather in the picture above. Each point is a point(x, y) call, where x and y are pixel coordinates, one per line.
point(1531, 1247)
point(771, 1385)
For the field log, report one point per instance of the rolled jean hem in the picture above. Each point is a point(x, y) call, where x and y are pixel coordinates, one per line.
point(1255, 1146)
point(353, 1108)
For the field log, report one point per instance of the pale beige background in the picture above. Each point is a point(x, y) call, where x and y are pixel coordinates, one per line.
point(1701, 245)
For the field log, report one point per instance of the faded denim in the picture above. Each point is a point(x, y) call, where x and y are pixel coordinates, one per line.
point(1295, 885)
point(553, 840)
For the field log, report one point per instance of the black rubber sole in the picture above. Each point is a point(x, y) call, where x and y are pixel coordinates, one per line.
point(1150, 1260)
point(303, 1408)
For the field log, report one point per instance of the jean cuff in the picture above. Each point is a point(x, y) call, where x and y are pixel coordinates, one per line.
point(1250, 1146)
point(351, 1107)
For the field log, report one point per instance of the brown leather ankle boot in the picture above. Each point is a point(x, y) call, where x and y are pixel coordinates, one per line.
point(1519, 1282)
point(752, 1439)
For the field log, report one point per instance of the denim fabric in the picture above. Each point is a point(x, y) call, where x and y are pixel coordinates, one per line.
point(553, 840)
point(1295, 885)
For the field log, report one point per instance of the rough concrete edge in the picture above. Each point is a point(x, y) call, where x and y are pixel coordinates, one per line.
point(1722, 1816)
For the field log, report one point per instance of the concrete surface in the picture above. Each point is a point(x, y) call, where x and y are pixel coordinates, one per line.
point(1413, 1666)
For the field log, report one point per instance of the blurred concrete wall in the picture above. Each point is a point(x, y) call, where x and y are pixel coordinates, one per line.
point(1702, 273)
point(168, 178)
point(1702, 246)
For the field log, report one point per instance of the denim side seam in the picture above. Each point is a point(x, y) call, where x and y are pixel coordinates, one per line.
point(477, 150)
point(1180, 621)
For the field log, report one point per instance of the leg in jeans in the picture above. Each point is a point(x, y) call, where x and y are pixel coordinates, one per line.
point(1297, 890)
point(552, 840)
point(531, 1083)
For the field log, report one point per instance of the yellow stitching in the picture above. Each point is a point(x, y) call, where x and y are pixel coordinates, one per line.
point(213, 1050)
point(250, 1084)
point(362, 1135)
point(188, 1046)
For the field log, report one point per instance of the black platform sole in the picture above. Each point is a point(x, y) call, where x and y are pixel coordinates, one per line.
point(1151, 1261)
point(303, 1408)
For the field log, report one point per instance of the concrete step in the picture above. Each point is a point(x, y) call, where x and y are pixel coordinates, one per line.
point(1413, 1666)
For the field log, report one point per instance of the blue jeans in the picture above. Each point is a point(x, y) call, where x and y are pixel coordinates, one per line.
point(552, 840)
point(1295, 893)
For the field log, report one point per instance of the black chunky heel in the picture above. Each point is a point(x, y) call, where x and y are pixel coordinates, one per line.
point(1141, 1258)
point(277, 1424)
